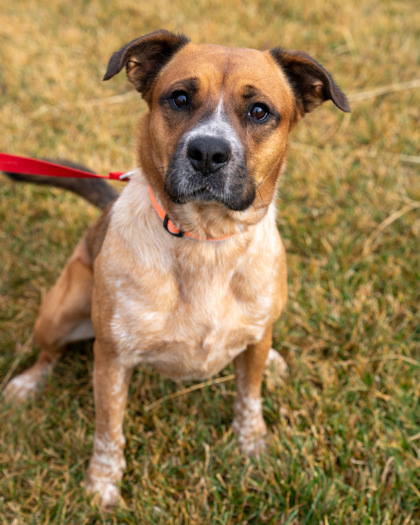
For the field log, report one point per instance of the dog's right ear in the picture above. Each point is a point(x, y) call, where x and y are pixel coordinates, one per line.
point(144, 57)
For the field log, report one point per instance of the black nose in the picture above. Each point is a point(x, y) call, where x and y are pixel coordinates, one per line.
point(208, 154)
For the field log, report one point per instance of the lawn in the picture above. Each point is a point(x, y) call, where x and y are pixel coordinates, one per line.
point(344, 424)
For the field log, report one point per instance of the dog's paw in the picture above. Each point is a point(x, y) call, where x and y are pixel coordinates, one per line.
point(21, 388)
point(103, 476)
point(252, 445)
point(105, 493)
point(249, 426)
point(276, 364)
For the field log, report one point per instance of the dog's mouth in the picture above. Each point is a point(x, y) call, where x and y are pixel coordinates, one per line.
point(235, 195)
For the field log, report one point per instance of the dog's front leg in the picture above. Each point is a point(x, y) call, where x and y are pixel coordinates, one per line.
point(248, 421)
point(110, 382)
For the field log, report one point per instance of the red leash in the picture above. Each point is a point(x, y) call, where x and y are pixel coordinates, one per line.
point(26, 166)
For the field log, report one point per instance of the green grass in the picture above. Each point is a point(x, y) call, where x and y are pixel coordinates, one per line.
point(344, 426)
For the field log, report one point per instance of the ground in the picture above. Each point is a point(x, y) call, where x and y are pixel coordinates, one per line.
point(344, 425)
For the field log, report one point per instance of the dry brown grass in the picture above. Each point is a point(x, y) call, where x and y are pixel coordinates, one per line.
point(344, 426)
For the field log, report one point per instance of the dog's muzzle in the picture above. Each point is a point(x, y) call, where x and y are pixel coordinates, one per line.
point(208, 168)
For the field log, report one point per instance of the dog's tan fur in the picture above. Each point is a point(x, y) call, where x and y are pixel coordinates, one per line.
point(187, 308)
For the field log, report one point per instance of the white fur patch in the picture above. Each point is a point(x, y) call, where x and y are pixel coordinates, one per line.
point(107, 492)
point(249, 425)
point(83, 331)
point(26, 385)
point(21, 387)
point(276, 362)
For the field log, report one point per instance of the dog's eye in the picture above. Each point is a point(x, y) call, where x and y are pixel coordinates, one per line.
point(259, 112)
point(179, 100)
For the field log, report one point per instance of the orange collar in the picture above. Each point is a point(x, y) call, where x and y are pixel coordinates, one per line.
point(171, 228)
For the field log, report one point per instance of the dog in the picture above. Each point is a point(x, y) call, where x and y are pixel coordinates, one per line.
point(186, 270)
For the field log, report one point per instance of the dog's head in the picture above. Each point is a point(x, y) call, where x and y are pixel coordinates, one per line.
point(219, 117)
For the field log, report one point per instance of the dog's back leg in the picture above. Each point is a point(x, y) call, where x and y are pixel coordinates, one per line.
point(64, 317)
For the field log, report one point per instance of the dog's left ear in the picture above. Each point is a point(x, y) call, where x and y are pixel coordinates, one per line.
point(311, 83)
point(144, 57)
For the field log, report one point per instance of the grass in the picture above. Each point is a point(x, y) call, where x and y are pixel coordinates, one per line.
point(344, 426)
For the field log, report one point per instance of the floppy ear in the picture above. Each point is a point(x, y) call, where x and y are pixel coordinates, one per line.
point(144, 57)
point(311, 83)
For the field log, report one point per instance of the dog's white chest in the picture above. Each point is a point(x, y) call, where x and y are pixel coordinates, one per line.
point(186, 308)
point(186, 333)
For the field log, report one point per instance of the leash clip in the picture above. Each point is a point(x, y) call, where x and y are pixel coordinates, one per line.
point(166, 219)
point(126, 175)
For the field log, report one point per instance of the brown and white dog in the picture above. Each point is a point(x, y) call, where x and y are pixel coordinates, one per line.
point(211, 148)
